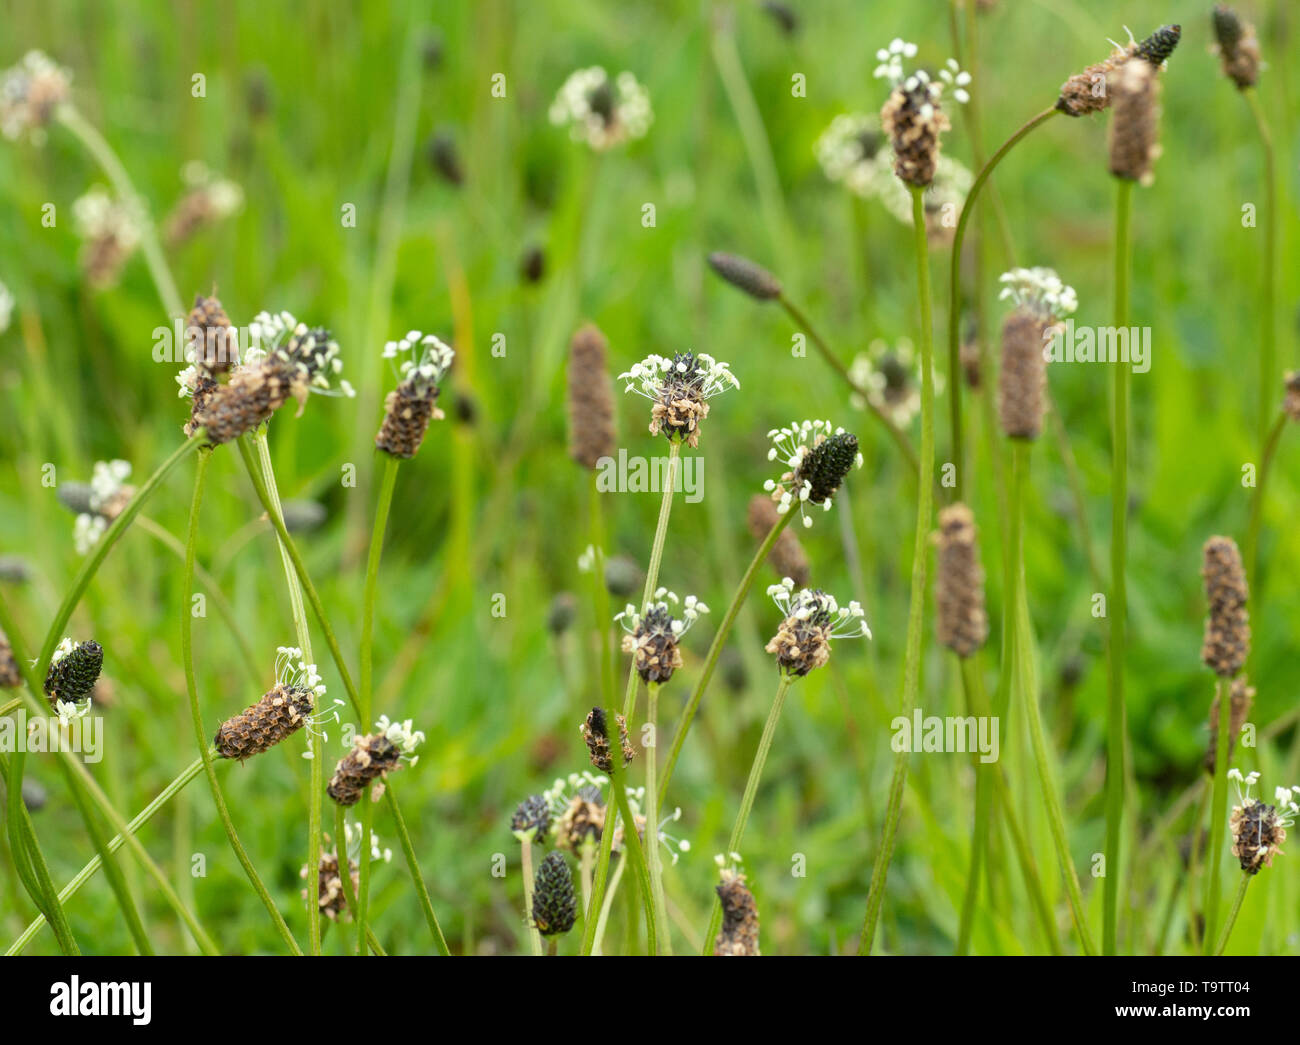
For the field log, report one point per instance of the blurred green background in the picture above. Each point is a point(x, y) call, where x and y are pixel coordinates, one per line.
point(314, 106)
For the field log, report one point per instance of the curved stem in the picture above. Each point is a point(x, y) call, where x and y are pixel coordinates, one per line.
point(86, 873)
point(715, 649)
point(920, 564)
point(954, 293)
point(1233, 911)
point(836, 364)
point(1028, 686)
point(1117, 611)
point(382, 506)
point(1213, 879)
point(751, 792)
point(191, 689)
point(104, 155)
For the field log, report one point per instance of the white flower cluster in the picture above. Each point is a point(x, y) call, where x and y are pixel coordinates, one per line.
point(791, 446)
point(602, 112)
point(891, 69)
point(675, 846)
point(99, 216)
point(807, 603)
point(891, 375)
point(558, 796)
point(423, 369)
point(224, 197)
point(106, 482)
point(281, 333)
point(292, 672)
point(401, 735)
point(707, 376)
point(28, 93)
point(352, 842)
point(658, 611)
point(6, 308)
point(1039, 289)
point(1288, 809)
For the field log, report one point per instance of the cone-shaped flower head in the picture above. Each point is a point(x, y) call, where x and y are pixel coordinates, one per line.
point(555, 907)
point(743, 274)
point(1135, 127)
point(600, 111)
point(590, 399)
point(913, 117)
point(577, 810)
point(1041, 300)
point(373, 757)
point(1237, 45)
point(1258, 830)
point(1241, 697)
point(532, 819)
point(29, 94)
point(286, 708)
point(1227, 625)
point(962, 623)
point(818, 457)
point(738, 937)
point(410, 406)
point(812, 618)
point(74, 670)
point(1088, 91)
point(595, 730)
point(680, 389)
point(653, 634)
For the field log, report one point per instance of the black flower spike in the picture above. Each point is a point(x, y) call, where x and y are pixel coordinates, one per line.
point(555, 908)
point(75, 670)
point(1160, 44)
point(828, 463)
point(533, 816)
point(743, 274)
point(1227, 27)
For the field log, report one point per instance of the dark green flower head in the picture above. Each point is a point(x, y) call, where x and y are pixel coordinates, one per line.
point(555, 907)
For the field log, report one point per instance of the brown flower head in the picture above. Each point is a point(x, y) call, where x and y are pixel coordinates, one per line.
point(29, 94)
point(1041, 300)
point(1089, 92)
point(963, 625)
point(208, 200)
point(213, 344)
point(410, 406)
point(286, 708)
point(1135, 127)
point(1241, 698)
point(680, 389)
point(1237, 45)
point(591, 400)
point(596, 732)
point(738, 937)
point(1258, 829)
point(373, 757)
point(577, 811)
point(653, 634)
point(812, 618)
point(1227, 625)
point(913, 117)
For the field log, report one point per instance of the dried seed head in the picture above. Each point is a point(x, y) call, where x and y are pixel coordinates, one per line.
point(1023, 375)
point(1238, 47)
point(1256, 835)
point(1135, 91)
point(225, 412)
point(11, 676)
point(555, 907)
point(212, 342)
point(332, 899)
point(742, 273)
point(372, 755)
point(532, 819)
point(963, 625)
point(738, 937)
point(580, 820)
point(1242, 696)
point(407, 414)
point(1089, 92)
point(1291, 402)
point(914, 122)
point(787, 555)
point(74, 669)
point(279, 714)
point(652, 636)
point(1227, 625)
point(591, 399)
point(596, 732)
point(812, 619)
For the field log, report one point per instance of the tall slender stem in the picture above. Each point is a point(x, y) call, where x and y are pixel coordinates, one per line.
point(920, 564)
point(1233, 911)
point(954, 294)
point(1028, 686)
point(600, 598)
point(654, 863)
point(1268, 321)
point(976, 704)
point(1251, 553)
point(715, 649)
point(200, 736)
point(751, 791)
point(526, 867)
point(1218, 827)
point(1117, 610)
point(382, 506)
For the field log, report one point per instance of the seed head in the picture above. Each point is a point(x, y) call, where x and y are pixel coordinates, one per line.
point(74, 669)
point(738, 937)
point(1258, 830)
point(680, 389)
point(1241, 698)
point(963, 625)
point(591, 399)
point(279, 714)
point(787, 555)
point(372, 757)
point(208, 200)
point(1227, 625)
point(596, 732)
point(818, 458)
point(532, 819)
point(1134, 130)
point(653, 634)
point(812, 619)
point(577, 811)
point(564, 608)
point(1023, 375)
point(1089, 92)
point(332, 898)
point(912, 117)
point(743, 274)
point(555, 907)
point(212, 342)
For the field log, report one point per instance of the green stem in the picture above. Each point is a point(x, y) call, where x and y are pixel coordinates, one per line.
point(973, 681)
point(836, 364)
point(920, 563)
point(1117, 610)
point(1268, 328)
point(382, 507)
point(654, 860)
point(1257, 503)
point(600, 593)
point(526, 866)
point(200, 737)
point(632, 845)
point(1028, 686)
point(1213, 879)
point(318, 608)
point(610, 893)
point(751, 792)
point(314, 826)
point(116, 843)
point(954, 293)
point(104, 155)
point(715, 649)
point(1233, 911)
